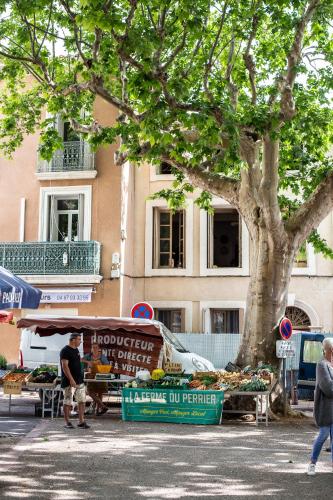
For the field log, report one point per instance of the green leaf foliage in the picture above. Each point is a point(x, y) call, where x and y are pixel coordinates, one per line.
point(179, 73)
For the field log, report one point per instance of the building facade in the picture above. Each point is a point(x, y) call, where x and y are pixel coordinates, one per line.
point(60, 226)
point(194, 267)
point(87, 233)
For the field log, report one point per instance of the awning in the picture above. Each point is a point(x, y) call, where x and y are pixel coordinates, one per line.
point(48, 325)
point(15, 293)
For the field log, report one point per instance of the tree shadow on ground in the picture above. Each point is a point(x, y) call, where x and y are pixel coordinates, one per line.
point(129, 460)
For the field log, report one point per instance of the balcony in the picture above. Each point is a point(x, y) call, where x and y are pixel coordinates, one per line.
point(74, 161)
point(53, 262)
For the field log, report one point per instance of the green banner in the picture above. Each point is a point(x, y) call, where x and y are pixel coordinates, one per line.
point(171, 405)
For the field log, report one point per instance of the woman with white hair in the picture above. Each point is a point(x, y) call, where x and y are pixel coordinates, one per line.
point(323, 403)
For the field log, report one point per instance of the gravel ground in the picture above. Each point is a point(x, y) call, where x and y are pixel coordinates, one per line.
point(129, 460)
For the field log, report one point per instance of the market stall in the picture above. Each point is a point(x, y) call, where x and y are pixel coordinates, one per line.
point(198, 398)
point(129, 345)
point(135, 348)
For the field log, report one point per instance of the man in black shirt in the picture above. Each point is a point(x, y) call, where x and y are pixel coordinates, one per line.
point(72, 380)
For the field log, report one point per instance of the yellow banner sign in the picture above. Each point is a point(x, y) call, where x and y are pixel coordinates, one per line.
point(12, 387)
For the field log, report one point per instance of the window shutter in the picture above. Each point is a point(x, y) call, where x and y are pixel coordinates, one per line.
point(210, 240)
point(81, 217)
point(52, 221)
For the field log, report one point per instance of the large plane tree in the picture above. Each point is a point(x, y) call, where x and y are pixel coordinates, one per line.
point(234, 95)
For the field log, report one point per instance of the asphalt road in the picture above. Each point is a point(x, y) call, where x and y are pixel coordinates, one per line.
point(16, 426)
point(128, 460)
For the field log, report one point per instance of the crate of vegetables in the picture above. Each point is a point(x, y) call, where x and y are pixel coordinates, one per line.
point(17, 375)
point(43, 376)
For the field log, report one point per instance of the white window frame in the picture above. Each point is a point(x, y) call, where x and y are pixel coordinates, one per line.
point(46, 192)
point(186, 305)
point(206, 306)
point(155, 176)
point(310, 269)
point(244, 270)
point(149, 238)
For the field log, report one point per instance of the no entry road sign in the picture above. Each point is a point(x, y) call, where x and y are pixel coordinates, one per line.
point(142, 310)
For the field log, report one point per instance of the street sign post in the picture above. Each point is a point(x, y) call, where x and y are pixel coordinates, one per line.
point(142, 310)
point(284, 349)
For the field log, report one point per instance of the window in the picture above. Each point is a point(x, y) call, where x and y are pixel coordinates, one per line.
point(299, 319)
point(169, 239)
point(171, 318)
point(69, 134)
point(224, 241)
point(301, 259)
point(164, 169)
point(65, 213)
point(224, 320)
point(65, 222)
point(312, 351)
point(304, 261)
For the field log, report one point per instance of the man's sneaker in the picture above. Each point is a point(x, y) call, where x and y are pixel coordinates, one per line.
point(311, 470)
point(84, 425)
point(69, 425)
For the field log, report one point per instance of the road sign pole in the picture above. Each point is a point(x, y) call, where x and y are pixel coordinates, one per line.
point(284, 385)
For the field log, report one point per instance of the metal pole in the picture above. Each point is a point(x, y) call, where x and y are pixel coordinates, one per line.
point(284, 385)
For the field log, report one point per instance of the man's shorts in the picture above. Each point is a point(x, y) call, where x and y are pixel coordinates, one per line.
point(79, 393)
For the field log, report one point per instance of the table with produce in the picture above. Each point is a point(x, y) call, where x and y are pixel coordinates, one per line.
point(198, 398)
point(45, 376)
point(41, 379)
point(13, 381)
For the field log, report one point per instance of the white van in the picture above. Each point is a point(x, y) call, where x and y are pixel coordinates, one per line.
point(36, 350)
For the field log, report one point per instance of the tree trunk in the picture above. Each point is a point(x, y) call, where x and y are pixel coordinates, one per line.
point(266, 299)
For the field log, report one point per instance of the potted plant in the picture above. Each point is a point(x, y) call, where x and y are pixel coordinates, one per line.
point(3, 362)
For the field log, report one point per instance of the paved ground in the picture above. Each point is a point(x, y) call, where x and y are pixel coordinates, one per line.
point(124, 460)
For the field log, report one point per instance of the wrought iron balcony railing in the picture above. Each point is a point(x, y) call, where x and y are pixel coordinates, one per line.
point(51, 258)
point(76, 156)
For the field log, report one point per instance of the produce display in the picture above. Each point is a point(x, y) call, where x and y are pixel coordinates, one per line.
point(18, 375)
point(166, 382)
point(45, 374)
point(254, 380)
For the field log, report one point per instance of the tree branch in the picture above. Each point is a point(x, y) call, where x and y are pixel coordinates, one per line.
point(214, 183)
point(212, 50)
point(93, 128)
point(16, 58)
point(232, 87)
point(269, 189)
point(201, 178)
point(249, 61)
point(175, 53)
point(285, 82)
point(76, 31)
point(47, 29)
point(312, 211)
